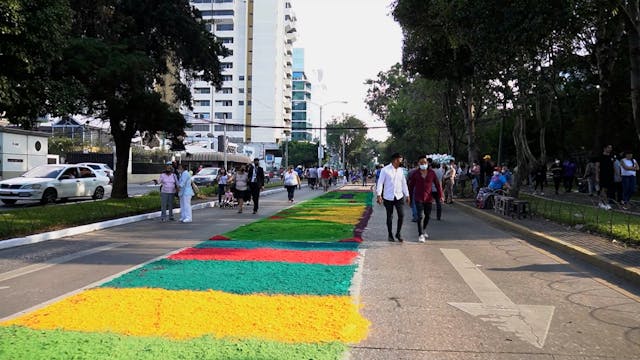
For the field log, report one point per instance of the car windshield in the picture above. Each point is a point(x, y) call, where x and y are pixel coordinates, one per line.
point(208, 171)
point(50, 172)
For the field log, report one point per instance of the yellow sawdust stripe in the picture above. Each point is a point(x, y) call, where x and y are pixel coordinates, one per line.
point(191, 314)
point(344, 215)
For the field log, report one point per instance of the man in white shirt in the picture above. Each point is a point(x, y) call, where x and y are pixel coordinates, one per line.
point(392, 190)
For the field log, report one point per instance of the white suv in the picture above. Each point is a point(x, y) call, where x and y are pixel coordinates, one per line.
point(101, 169)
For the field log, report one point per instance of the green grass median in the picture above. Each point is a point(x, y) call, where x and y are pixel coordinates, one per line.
point(624, 226)
point(38, 219)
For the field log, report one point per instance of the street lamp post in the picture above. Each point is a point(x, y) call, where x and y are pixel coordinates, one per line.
point(320, 150)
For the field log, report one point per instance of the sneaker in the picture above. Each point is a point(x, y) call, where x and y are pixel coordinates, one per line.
point(390, 238)
point(602, 206)
point(399, 237)
point(163, 220)
point(421, 239)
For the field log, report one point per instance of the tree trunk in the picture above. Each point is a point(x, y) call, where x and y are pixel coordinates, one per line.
point(122, 139)
point(467, 108)
point(634, 62)
point(525, 159)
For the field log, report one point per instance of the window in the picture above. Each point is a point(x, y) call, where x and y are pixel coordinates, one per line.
point(226, 90)
point(201, 103)
point(226, 65)
point(216, 13)
point(241, 103)
point(298, 95)
point(241, 77)
point(223, 115)
point(202, 115)
point(224, 103)
point(227, 77)
point(201, 90)
point(299, 116)
point(230, 127)
point(226, 40)
point(298, 85)
point(199, 127)
point(241, 90)
point(224, 27)
point(300, 105)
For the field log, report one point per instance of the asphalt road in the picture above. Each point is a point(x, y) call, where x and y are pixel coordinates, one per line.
point(473, 291)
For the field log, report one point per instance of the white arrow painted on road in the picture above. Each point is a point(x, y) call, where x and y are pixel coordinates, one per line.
point(529, 322)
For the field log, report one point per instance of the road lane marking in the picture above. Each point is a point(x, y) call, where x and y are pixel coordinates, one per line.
point(56, 261)
point(530, 323)
point(4, 287)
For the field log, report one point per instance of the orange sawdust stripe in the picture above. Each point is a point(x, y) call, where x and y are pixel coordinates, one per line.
point(267, 254)
point(192, 314)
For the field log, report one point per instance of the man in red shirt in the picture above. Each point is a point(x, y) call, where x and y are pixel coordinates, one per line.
point(420, 184)
point(325, 176)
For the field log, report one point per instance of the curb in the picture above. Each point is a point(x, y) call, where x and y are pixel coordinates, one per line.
point(626, 272)
point(82, 229)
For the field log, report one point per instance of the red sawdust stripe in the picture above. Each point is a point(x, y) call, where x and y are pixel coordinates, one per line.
point(267, 254)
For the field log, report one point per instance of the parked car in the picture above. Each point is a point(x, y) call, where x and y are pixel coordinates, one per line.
point(206, 176)
point(48, 183)
point(100, 168)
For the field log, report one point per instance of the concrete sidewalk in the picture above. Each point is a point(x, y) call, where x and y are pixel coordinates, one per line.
point(593, 248)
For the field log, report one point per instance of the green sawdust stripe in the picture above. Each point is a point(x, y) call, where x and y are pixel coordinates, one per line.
point(240, 277)
point(291, 245)
point(292, 230)
point(23, 343)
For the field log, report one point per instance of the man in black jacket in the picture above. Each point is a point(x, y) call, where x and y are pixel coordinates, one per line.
point(256, 182)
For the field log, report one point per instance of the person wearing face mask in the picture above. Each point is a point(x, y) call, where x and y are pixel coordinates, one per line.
point(392, 191)
point(185, 193)
point(556, 172)
point(420, 185)
point(498, 181)
point(168, 187)
point(256, 182)
point(241, 180)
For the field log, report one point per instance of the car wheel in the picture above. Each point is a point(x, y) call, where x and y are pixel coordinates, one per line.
point(9, 202)
point(99, 193)
point(49, 197)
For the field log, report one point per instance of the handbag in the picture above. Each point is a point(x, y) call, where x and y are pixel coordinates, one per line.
point(195, 188)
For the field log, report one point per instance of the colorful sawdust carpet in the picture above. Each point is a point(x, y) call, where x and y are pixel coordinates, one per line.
point(274, 289)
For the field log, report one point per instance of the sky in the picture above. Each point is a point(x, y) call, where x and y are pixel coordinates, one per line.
point(350, 41)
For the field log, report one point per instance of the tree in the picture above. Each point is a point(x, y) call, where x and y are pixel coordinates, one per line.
point(124, 51)
point(302, 153)
point(33, 35)
point(345, 136)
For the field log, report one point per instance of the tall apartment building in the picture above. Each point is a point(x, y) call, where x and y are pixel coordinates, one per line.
point(255, 100)
point(301, 124)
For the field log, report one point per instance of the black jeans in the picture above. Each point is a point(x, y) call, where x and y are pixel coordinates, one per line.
point(399, 206)
point(423, 221)
point(255, 194)
point(290, 191)
point(436, 197)
point(220, 192)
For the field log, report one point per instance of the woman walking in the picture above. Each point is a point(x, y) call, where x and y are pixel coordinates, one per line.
point(241, 181)
point(291, 182)
point(168, 187)
point(222, 179)
point(185, 193)
point(629, 167)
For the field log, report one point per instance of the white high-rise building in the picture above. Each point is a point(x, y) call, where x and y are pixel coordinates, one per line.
point(255, 99)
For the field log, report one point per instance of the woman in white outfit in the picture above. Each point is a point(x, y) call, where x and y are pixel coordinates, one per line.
point(185, 194)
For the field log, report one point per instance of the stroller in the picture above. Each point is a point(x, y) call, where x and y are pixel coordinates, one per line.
point(228, 201)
